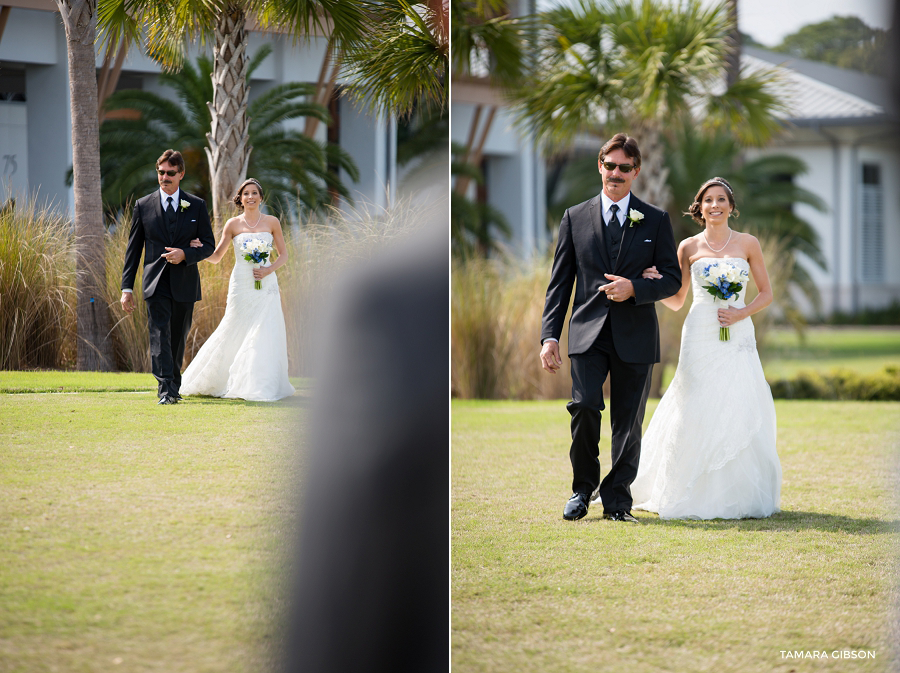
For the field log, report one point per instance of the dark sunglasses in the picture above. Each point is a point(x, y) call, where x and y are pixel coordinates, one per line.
point(172, 174)
point(611, 166)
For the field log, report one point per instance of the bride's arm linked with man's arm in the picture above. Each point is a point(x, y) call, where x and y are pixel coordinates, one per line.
point(228, 233)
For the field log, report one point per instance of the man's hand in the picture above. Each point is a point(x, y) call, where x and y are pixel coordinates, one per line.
point(173, 255)
point(620, 289)
point(127, 301)
point(550, 356)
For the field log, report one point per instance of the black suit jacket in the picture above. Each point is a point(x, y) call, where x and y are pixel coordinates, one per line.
point(150, 234)
point(582, 256)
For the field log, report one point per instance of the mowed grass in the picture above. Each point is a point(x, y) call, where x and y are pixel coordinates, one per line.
point(864, 350)
point(532, 592)
point(51, 381)
point(138, 537)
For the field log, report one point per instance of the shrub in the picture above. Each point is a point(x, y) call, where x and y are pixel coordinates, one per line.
point(840, 384)
point(37, 289)
point(887, 315)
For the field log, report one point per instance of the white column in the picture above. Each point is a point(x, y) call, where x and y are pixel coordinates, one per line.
point(372, 142)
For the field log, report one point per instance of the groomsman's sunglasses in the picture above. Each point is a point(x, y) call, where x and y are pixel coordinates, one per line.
point(611, 166)
point(172, 174)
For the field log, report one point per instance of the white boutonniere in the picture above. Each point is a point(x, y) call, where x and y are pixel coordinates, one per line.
point(185, 205)
point(634, 217)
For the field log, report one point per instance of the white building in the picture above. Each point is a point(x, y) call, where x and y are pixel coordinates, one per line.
point(843, 124)
point(35, 126)
point(514, 178)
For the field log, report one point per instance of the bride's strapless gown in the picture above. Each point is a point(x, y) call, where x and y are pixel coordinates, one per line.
point(709, 451)
point(246, 356)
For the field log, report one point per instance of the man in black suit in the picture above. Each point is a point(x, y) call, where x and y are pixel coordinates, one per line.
point(606, 243)
point(162, 225)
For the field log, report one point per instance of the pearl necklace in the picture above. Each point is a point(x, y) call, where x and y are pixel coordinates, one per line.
point(723, 247)
point(257, 221)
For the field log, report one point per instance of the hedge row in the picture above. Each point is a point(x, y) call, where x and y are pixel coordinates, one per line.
point(840, 384)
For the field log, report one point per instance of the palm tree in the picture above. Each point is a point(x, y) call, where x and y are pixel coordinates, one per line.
point(292, 166)
point(640, 65)
point(402, 64)
point(169, 26)
point(94, 350)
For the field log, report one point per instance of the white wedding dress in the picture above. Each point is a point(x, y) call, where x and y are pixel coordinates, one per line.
point(246, 356)
point(709, 451)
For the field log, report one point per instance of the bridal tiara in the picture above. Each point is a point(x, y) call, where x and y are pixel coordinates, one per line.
point(721, 184)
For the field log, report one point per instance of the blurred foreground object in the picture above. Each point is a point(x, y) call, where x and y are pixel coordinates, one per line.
point(371, 580)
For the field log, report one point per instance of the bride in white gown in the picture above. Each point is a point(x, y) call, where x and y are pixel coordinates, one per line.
point(709, 451)
point(246, 356)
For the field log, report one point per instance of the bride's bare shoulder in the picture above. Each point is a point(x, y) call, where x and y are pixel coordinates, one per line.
point(689, 245)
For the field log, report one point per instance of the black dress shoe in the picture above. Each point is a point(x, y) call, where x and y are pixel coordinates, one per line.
point(620, 515)
point(166, 399)
point(576, 507)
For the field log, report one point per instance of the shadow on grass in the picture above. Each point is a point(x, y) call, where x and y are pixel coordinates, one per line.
point(793, 520)
point(298, 400)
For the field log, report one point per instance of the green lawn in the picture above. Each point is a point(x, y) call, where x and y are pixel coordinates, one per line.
point(532, 592)
point(138, 537)
point(864, 350)
point(50, 381)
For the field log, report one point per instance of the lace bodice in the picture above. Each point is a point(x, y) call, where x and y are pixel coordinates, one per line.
point(698, 282)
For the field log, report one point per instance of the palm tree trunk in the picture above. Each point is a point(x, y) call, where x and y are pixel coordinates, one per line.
point(652, 184)
point(325, 85)
point(94, 350)
point(109, 77)
point(475, 149)
point(229, 148)
point(733, 57)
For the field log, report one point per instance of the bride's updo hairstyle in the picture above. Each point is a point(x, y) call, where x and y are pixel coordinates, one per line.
point(240, 190)
point(694, 210)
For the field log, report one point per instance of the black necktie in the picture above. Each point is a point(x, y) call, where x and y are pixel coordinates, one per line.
point(614, 233)
point(613, 211)
point(170, 215)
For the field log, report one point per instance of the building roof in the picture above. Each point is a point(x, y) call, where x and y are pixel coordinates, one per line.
point(819, 93)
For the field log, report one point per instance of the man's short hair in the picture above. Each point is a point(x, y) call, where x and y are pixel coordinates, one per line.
point(173, 157)
point(627, 144)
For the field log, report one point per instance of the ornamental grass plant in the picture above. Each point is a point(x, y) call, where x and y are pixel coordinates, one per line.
point(37, 288)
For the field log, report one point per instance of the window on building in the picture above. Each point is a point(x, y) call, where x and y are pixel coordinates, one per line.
point(12, 81)
point(872, 226)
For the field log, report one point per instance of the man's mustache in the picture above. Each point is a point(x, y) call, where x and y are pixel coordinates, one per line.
point(614, 180)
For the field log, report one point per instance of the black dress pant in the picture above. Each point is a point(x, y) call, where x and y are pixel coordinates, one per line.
point(169, 322)
point(629, 386)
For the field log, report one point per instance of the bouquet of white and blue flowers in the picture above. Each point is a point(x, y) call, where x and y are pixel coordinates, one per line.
point(724, 280)
point(256, 251)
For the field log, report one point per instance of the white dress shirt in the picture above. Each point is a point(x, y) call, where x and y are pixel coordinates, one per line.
point(623, 207)
point(164, 199)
